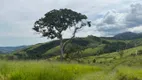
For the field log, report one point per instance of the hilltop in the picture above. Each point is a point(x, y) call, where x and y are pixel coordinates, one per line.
point(89, 46)
point(128, 36)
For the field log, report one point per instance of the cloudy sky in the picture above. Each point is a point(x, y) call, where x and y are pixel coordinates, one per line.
point(109, 17)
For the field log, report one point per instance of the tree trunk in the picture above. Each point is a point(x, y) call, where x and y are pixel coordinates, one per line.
point(61, 49)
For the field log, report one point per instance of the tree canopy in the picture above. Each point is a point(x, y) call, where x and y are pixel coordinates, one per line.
point(55, 22)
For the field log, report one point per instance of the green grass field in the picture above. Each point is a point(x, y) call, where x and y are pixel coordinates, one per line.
point(109, 66)
point(43, 70)
point(128, 67)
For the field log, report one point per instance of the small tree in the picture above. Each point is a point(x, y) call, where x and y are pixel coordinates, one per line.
point(121, 53)
point(56, 21)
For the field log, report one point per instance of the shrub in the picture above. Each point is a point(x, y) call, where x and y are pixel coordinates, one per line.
point(94, 61)
point(140, 52)
point(114, 58)
point(121, 53)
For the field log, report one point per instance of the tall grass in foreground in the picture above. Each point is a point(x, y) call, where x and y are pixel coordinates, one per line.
point(120, 73)
point(129, 73)
point(42, 70)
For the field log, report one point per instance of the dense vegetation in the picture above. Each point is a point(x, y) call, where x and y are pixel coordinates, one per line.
point(89, 46)
point(89, 58)
point(102, 67)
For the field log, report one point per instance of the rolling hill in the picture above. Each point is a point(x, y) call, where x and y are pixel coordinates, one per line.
point(50, 49)
point(106, 59)
point(128, 36)
point(11, 49)
point(89, 46)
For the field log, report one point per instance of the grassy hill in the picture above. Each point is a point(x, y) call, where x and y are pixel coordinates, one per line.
point(110, 66)
point(89, 58)
point(51, 49)
point(128, 67)
point(87, 46)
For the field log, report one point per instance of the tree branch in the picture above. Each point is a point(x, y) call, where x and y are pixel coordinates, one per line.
point(73, 35)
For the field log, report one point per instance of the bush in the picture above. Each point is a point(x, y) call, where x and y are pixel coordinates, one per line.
point(140, 52)
point(94, 61)
point(121, 53)
point(114, 58)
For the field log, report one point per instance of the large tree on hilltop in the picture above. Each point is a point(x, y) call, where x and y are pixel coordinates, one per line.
point(56, 21)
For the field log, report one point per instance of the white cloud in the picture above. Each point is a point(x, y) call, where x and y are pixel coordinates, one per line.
point(18, 16)
point(116, 22)
point(136, 29)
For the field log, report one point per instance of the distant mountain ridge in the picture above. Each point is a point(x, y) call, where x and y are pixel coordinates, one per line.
point(11, 49)
point(128, 36)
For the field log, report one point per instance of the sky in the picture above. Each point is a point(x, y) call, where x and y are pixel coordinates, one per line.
point(108, 17)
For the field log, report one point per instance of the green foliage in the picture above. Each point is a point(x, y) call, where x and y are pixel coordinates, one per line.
point(121, 53)
point(124, 68)
point(127, 73)
point(90, 46)
point(56, 21)
point(111, 65)
point(120, 73)
point(50, 49)
point(114, 46)
point(74, 51)
point(94, 61)
point(42, 70)
point(93, 51)
point(140, 52)
point(36, 51)
point(52, 52)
